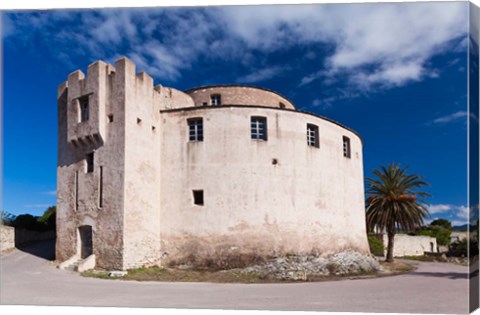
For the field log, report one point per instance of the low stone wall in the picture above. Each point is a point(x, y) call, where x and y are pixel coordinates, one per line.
point(409, 245)
point(24, 237)
point(7, 238)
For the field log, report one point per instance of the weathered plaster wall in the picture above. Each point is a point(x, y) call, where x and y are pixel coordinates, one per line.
point(106, 87)
point(142, 170)
point(410, 245)
point(310, 201)
point(7, 238)
point(239, 95)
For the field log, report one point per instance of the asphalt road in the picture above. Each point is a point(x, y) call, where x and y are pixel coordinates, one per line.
point(28, 278)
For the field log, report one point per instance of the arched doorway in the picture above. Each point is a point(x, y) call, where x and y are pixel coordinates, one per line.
point(86, 240)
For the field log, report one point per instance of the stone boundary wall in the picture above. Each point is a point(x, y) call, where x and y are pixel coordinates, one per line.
point(7, 238)
point(409, 245)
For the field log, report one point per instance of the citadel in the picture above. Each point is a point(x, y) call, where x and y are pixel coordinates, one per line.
point(150, 175)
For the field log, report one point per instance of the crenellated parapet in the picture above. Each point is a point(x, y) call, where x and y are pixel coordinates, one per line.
point(86, 104)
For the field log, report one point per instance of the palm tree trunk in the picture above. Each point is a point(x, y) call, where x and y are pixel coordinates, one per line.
point(391, 238)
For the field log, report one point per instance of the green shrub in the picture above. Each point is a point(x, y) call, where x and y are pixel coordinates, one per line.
point(376, 246)
point(440, 233)
point(460, 248)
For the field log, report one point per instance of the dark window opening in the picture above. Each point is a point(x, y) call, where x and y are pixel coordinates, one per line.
point(76, 190)
point(100, 188)
point(204, 103)
point(216, 100)
point(89, 160)
point(312, 136)
point(139, 121)
point(195, 129)
point(153, 128)
point(110, 118)
point(198, 197)
point(346, 147)
point(281, 105)
point(84, 108)
point(258, 127)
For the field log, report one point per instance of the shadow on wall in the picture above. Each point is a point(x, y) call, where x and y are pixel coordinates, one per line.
point(40, 244)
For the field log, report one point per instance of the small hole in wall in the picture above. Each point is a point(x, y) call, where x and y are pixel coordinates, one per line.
point(139, 121)
point(110, 118)
point(153, 128)
point(274, 161)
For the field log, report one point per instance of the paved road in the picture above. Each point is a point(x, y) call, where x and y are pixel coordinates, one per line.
point(28, 278)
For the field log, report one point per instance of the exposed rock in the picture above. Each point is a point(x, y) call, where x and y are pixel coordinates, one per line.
point(300, 267)
point(117, 273)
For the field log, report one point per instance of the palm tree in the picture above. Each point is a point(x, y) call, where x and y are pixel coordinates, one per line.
point(395, 201)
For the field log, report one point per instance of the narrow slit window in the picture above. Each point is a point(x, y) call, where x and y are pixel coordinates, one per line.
point(100, 188)
point(346, 147)
point(76, 190)
point(195, 129)
point(216, 99)
point(258, 128)
point(312, 136)
point(110, 118)
point(198, 197)
point(89, 162)
point(84, 108)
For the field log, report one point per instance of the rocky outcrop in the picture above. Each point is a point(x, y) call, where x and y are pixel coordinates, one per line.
point(295, 267)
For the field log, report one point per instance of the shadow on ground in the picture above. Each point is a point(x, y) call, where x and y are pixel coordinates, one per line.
point(42, 249)
point(449, 275)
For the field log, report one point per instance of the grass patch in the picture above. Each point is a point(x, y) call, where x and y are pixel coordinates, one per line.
point(397, 266)
point(177, 275)
point(225, 276)
point(421, 258)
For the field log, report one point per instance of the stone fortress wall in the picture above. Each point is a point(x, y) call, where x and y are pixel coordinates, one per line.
point(261, 198)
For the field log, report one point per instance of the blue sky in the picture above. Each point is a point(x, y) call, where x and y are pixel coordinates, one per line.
point(396, 73)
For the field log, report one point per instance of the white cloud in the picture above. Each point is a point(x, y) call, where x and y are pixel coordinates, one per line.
point(462, 212)
point(262, 74)
point(459, 213)
point(451, 117)
point(374, 45)
point(385, 44)
point(440, 208)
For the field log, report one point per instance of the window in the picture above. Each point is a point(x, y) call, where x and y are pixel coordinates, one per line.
point(312, 136)
point(281, 105)
point(84, 110)
point(198, 197)
point(76, 190)
point(100, 188)
point(110, 118)
point(258, 127)
point(346, 147)
point(216, 100)
point(89, 160)
point(195, 129)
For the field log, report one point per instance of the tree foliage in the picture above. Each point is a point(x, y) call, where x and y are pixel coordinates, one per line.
point(43, 223)
point(376, 245)
point(442, 223)
point(395, 202)
point(439, 232)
